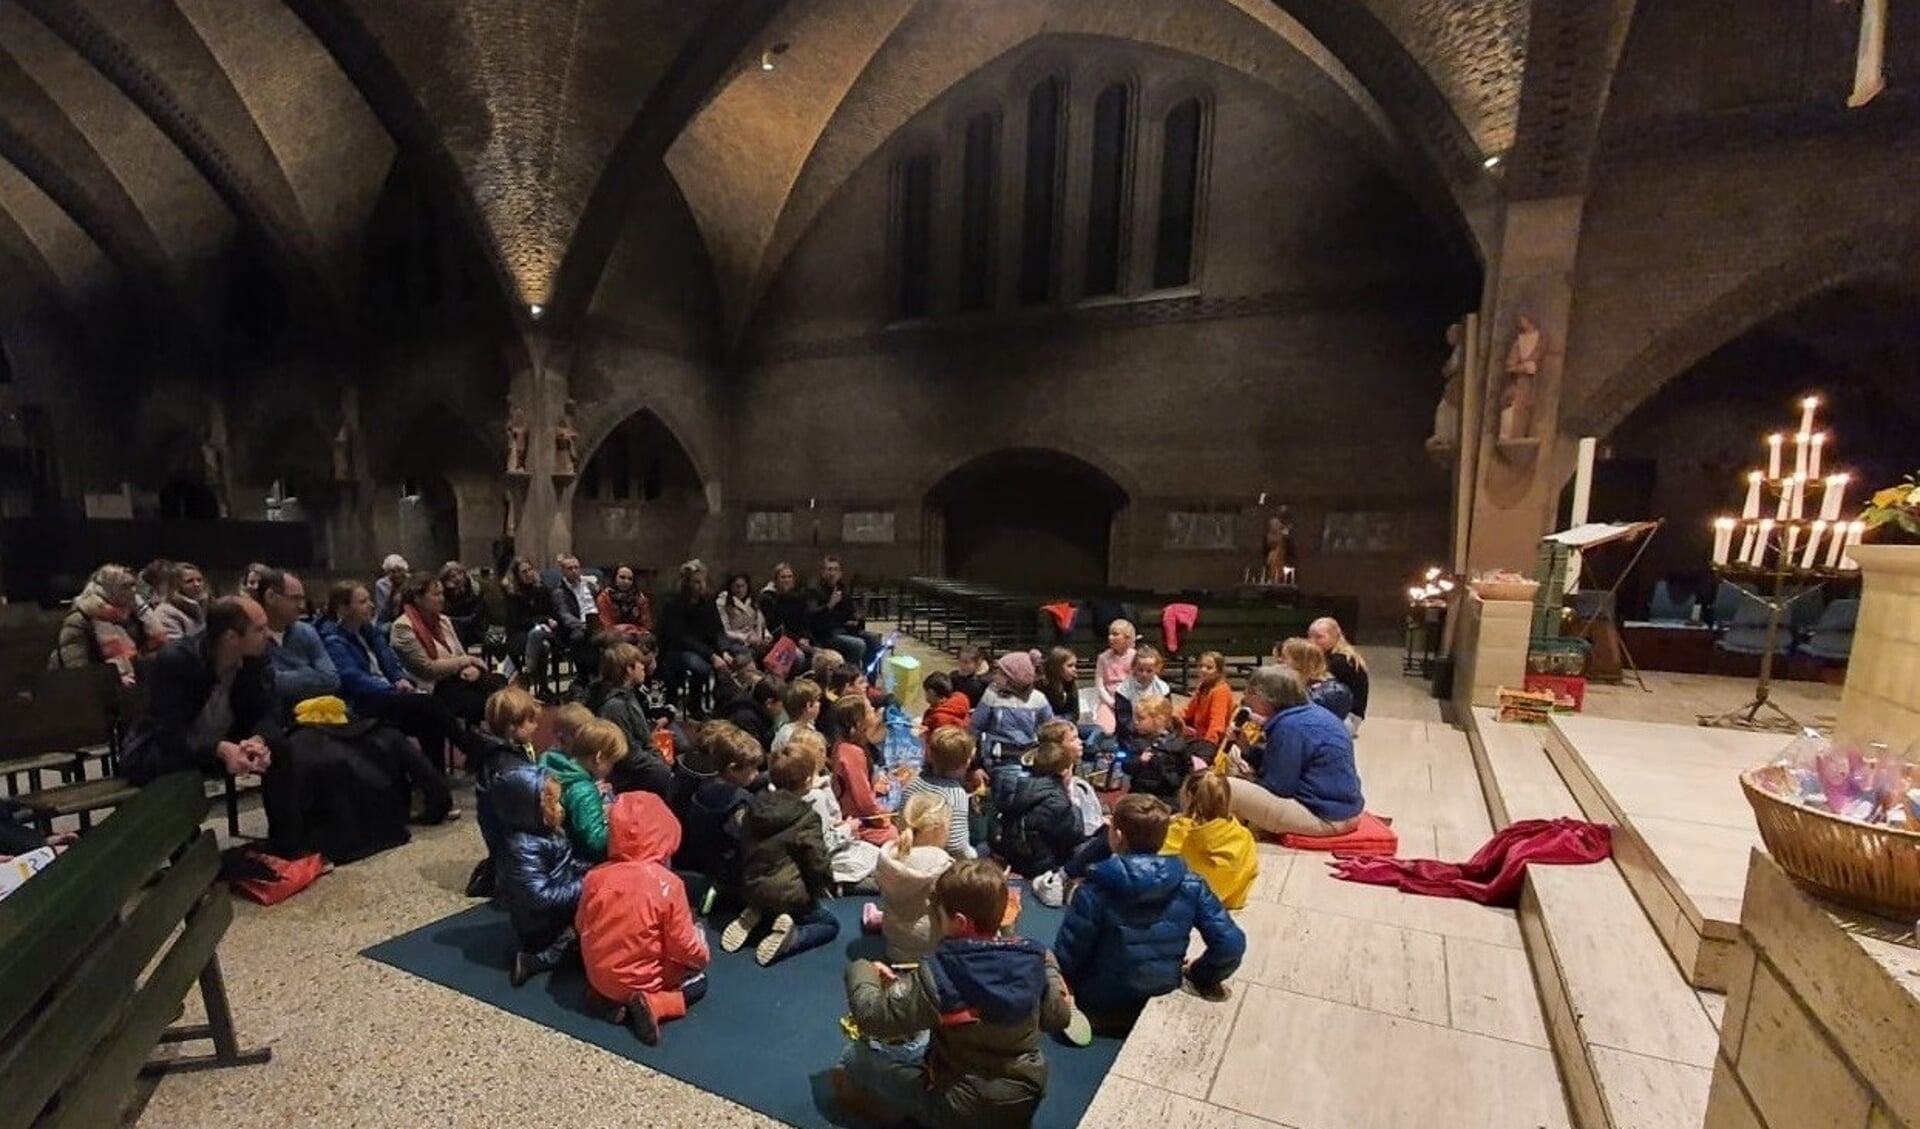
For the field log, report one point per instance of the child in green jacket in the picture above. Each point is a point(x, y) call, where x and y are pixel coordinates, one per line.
point(582, 771)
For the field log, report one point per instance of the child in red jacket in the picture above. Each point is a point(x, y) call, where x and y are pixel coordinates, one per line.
point(646, 958)
point(945, 705)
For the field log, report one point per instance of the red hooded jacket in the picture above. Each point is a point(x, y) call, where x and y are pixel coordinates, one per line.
point(954, 710)
point(637, 933)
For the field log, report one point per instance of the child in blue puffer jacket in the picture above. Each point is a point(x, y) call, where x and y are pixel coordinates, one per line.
point(537, 875)
point(1125, 936)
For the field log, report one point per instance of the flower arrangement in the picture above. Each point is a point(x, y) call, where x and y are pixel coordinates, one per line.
point(1897, 505)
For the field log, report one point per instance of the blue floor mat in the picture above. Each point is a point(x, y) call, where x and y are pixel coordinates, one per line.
point(766, 1038)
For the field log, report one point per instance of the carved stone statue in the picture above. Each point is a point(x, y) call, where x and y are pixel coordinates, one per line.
point(1279, 546)
point(1446, 415)
point(516, 438)
point(565, 435)
point(213, 467)
point(1522, 370)
point(343, 453)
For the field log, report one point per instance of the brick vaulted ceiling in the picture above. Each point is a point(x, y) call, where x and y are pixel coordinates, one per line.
point(138, 137)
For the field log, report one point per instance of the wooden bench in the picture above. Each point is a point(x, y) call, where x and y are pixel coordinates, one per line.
point(77, 1020)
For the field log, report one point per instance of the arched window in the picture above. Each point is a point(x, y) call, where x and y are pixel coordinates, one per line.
point(1040, 202)
point(979, 164)
point(1107, 193)
point(1179, 196)
point(913, 242)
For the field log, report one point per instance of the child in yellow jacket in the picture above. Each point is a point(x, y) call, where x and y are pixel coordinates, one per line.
point(1214, 845)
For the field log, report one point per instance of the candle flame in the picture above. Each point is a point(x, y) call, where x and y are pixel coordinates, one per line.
point(1723, 523)
point(1810, 402)
point(1756, 476)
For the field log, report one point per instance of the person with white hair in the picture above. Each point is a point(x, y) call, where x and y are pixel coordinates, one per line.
point(1304, 780)
point(394, 571)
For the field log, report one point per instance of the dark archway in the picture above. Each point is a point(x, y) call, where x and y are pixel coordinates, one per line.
point(1027, 518)
point(640, 498)
point(185, 499)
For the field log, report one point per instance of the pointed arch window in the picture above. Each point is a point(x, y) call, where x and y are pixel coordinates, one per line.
point(1179, 195)
point(980, 165)
point(913, 243)
point(1107, 192)
point(1040, 196)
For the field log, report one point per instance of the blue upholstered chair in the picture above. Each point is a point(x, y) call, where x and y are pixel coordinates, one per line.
point(1667, 608)
point(1747, 633)
point(1728, 599)
point(1832, 638)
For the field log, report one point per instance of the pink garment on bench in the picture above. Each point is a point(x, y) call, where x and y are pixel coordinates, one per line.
point(1492, 876)
point(1062, 614)
point(1176, 620)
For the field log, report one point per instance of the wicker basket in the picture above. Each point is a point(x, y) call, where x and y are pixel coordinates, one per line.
point(1866, 866)
point(1504, 589)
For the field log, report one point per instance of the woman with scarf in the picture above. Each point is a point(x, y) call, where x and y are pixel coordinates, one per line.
point(424, 640)
point(106, 625)
point(184, 611)
point(530, 622)
point(624, 608)
point(740, 617)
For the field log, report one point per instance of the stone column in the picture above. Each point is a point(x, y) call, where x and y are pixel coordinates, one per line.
point(1881, 701)
point(1517, 483)
point(539, 386)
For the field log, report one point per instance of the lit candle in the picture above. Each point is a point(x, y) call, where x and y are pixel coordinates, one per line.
point(1813, 459)
point(1751, 510)
point(1801, 443)
point(1854, 533)
point(1838, 543)
point(1786, 499)
point(1806, 414)
point(1746, 542)
point(1812, 556)
point(1835, 497)
point(1722, 539)
point(1762, 543)
point(1773, 454)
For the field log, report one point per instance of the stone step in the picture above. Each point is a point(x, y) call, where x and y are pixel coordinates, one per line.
point(1634, 1042)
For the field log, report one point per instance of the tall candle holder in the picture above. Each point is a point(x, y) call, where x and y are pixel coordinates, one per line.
point(1787, 550)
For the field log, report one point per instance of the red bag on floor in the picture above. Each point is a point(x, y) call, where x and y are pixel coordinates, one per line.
point(781, 657)
point(270, 880)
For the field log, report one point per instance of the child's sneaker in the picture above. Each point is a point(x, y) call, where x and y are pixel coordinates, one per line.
point(1079, 1030)
point(870, 917)
point(525, 968)
point(1051, 889)
point(641, 1022)
point(774, 945)
point(735, 934)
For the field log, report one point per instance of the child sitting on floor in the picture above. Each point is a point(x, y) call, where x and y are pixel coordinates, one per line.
point(537, 875)
point(1211, 707)
point(1011, 712)
point(646, 957)
point(786, 871)
point(854, 859)
point(949, 755)
point(1039, 830)
point(906, 876)
point(1158, 756)
point(1142, 681)
point(1112, 667)
point(1125, 936)
point(984, 998)
point(1086, 801)
point(802, 708)
point(1216, 846)
point(852, 770)
point(716, 808)
point(582, 773)
point(567, 721)
point(945, 705)
point(972, 672)
point(505, 741)
point(1308, 661)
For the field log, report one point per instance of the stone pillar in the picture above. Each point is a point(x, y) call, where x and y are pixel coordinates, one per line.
point(539, 386)
point(1517, 483)
point(1881, 701)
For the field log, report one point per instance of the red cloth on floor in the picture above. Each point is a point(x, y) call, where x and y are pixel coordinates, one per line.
point(1492, 876)
point(1062, 614)
point(1371, 836)
point(1175, 621)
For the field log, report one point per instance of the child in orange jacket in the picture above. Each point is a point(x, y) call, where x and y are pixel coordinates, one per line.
point(646, 958)
point(945, 705)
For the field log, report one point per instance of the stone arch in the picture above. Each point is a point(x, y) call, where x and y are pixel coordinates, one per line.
point(1860, 255)
point(604, 417)
point(640, 498)
point(982, 525)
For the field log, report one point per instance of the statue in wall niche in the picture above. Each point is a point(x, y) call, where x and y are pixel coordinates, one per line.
point(213, 467)
point(1522, 370)
point(343, 453)
point(516, 438)
point(1278, 562)
point(1446, 415)
point(565, 436)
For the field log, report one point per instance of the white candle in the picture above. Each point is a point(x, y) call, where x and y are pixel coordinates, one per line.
point(1787, 550)
point(1722, 539)
point(1583, 482)
point(1854, 532)
point(1762, 543)
point(1813, 459)
point(1799, 499)
point(1801, 442)
point(1838, 543)
point(1746, 542)
point(1786, 499)
point(1812, 556)
point(1773, 454)
point(1806, 414)
point(1751, 510)
point(1835, 497)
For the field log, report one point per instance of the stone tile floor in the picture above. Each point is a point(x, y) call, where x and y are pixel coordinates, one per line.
point(1358, 1007)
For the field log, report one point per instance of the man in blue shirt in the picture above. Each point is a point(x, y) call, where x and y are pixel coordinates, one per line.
point(301, 667)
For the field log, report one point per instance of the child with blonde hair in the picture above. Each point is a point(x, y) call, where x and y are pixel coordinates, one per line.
point(1214, 845)
point(853, 858)
point(567, 721)
point(802, 706)
point(906, 875)
point(580, 774)
point(1112, 667)
point(1344, 660)
point(949, 754)
point(1310, 663)
point(504, 741)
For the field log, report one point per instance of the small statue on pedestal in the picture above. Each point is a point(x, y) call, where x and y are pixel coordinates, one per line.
point(1446, 415)
point(516, 438)
point(1277, 565)
point(565, 436)
point(1522, 369)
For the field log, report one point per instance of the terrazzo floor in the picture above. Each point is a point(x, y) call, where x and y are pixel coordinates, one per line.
point(1357, 1008)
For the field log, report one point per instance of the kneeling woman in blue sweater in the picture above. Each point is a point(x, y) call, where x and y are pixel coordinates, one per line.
point(1304, 781)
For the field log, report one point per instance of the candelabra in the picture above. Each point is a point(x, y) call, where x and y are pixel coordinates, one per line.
point(1784, 556)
